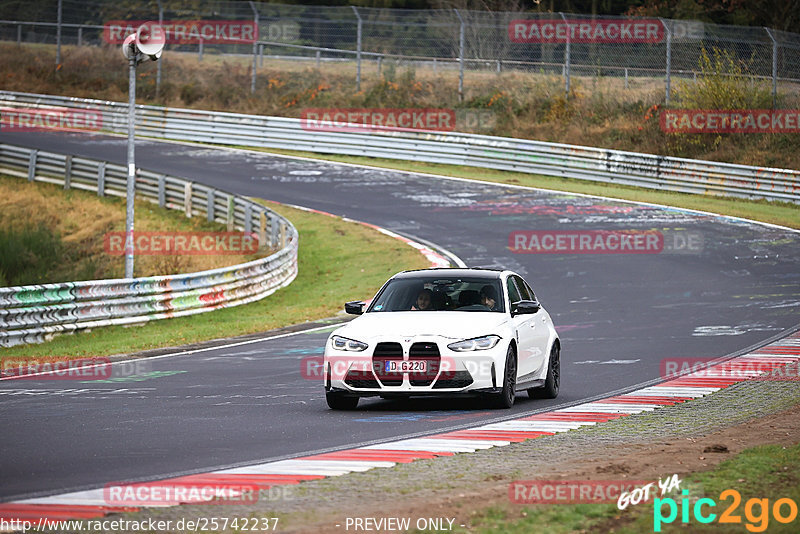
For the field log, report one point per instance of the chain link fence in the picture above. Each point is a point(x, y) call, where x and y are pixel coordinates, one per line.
point(374, 39)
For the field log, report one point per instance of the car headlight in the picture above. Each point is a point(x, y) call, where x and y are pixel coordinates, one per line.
point(343, 343)
point(477, 343)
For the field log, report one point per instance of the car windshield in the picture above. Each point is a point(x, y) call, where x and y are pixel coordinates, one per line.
point(438, 293)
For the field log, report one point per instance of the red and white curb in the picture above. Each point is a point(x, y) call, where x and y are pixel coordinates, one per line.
point(93, 503)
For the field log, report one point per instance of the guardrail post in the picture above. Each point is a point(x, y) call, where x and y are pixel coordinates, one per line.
point(262, 231)
point(668, 79)
point(210, 205)
point(626, 77)
point(248, 219)
point(231, 209)
point(460, 57)
point(774, 68)
point(358, 49)
point(380, 61)
point(19, 34)
point(187, 199)
point(68, 172)
point(318, 58)
point(283, 235)
point(32, 165)
point(273, 227)
point(80, 35)
point(567, 57)
point(200, 50)
point(162, 191)
point(58, 35)
point(101, 179)
point(255, 49)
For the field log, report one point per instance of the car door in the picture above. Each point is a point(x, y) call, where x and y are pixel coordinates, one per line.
point(538, 325)
point(525, 329)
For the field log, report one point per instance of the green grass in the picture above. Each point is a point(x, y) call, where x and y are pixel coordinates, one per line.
point(764, 472)
point(338, 261)
point(781, 213)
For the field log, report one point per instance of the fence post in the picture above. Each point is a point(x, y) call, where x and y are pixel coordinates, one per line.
point(255, 49)
point(231, 208)
point(58, 35)
point(318, 58)
point(248, 218)
point(19, 34)
point(567, 57)
point(32, 165)
point(161, 60)
point(210, 205)
point(162, 191)
point(200, 50)
point(774, 68)
point(460, 57)
point(626, 77)
point(668, 76)
point(380, 61)
point(187, 199)
point(358, 49)
point(67, 172)
point(101, 179)
point(80, 36)
point(261, 56)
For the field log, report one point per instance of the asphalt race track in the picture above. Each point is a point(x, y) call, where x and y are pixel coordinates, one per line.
point(718, 286)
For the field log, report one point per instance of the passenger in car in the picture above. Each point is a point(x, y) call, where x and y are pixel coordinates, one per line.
point(423, 302)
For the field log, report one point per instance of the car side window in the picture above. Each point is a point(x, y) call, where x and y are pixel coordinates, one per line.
point(523, 289)
point(530, 290)
point(513, 292)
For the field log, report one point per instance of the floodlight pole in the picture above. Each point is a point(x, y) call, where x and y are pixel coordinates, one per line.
point(131, 184)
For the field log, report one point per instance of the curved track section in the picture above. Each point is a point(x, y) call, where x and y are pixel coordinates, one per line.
point(619, 316)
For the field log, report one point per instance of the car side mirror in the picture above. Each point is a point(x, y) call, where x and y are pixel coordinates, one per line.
point(355, 307)
point(526, 307)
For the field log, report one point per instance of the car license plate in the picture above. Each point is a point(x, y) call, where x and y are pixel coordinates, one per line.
point(406, 366)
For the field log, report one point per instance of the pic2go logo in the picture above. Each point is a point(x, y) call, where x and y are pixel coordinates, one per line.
point(756, 511)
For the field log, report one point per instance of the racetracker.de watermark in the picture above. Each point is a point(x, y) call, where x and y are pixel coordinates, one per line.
point(67, 369)
point(730, 121)
point(585, 31)
point(737, 369)
point(605, 242)
point(569, 491)
point(182, 243)
point(366, 120)
point(48, 119)
point(187, 31)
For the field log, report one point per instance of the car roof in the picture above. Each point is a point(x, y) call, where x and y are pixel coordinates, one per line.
point(455, 271)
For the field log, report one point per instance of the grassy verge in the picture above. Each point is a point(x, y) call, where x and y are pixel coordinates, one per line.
point(48, 235)
point(338, 261)
point(782, 213)
point(765, 472)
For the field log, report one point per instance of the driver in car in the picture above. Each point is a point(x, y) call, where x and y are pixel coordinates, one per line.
point(489, 297)
point(423, 302)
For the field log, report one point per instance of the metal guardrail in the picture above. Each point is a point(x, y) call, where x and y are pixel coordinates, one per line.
point(503, 153)
point(32, 314)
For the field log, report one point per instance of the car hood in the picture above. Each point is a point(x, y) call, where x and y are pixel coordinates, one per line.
point(450, 324)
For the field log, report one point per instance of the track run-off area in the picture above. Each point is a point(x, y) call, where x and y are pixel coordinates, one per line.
point(713, 286)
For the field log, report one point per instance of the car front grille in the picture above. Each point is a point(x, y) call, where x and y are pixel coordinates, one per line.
point(385, 352)
point(429, 352)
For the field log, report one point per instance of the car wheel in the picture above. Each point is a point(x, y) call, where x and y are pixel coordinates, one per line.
point(337, 401)
point(505, 399)
point(553, 380)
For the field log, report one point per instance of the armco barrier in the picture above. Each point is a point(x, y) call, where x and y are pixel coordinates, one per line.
point(30, 314)
point(552, 159)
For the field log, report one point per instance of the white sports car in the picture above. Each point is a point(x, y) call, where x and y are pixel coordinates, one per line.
point(444, 332)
